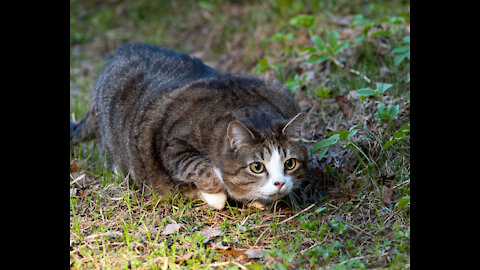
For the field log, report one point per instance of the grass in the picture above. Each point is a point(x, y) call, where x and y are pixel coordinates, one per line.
point(352, 210)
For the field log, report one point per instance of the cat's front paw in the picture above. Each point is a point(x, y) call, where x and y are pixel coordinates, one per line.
point(259, 205)
point(215, 200)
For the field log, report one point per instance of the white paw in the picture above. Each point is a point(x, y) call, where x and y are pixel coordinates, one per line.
point(259, 205)
point(215, 200)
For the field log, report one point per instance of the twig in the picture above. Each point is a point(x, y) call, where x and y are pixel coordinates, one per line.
point(258, 239)
point(283, 221)
point(401, 184)
point(292, 217)
point(77, 179)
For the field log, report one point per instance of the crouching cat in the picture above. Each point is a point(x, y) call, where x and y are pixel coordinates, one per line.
point(171, 121)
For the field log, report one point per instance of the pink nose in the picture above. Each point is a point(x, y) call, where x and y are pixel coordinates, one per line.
point(279, 184)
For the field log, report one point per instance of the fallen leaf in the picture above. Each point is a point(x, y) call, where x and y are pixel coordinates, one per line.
point(218, 246)
point(235, 253)
point(387, 195)
point(254, 253)
point(73, 167)
point(210, 233)
point(171, 228)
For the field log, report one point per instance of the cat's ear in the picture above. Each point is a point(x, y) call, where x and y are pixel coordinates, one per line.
point(293, 128)
point(238, 134)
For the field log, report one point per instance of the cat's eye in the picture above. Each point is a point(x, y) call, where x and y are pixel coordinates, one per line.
point(290, 164)
point(257, 167)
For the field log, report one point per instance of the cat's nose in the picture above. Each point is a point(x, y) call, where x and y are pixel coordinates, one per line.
point(279, 184)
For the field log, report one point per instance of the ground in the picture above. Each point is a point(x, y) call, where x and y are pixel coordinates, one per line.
point(347, 64)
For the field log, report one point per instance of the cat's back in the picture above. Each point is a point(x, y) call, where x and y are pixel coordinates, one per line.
point(144, 67)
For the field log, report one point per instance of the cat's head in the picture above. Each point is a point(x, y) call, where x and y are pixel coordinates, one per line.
point(265, 164)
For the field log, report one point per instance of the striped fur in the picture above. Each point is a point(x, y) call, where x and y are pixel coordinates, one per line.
point(163, 116)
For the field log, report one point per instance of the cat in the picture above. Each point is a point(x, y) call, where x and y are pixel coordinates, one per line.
point(171, 121)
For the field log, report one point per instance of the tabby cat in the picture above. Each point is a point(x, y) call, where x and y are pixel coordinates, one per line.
point(171, 121)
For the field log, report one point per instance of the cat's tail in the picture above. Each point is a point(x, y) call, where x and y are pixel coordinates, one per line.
point(84, 130)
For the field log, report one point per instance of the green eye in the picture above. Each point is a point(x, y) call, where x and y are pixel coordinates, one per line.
point(290, 164)
point(257, 167)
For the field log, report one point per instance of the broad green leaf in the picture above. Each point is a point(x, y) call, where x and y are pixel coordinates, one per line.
point(282, 37)
point(317, 58)
point(341, 46)
point(401, 49)
point(380, 32)
point(390, 142)
point(324, 151)
point(359, 20)
point(382, 87)
point(400, 57)
point(381, 113)
point(261, 66)
point(332, 38)
point(320, 209)
point(393, 110)
point(342, 133)
point(326, 142)
point(386, 112)
point(352, 131)
point(302, 20)
point(309, 49)
point(254, 266)
point(364, 93)
point(399, 135)
point(330, 50)
point(292, 84)
point(405, 128)
point(402, 202)
point(318, 42)
point(395, 20)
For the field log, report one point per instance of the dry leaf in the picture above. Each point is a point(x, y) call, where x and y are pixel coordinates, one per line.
point(210, 233)
point(73, 167)
point(218, 246)
point(254, 253)
point(171, 228)
point(387, 195)
point(248, 254)
point(235, 253)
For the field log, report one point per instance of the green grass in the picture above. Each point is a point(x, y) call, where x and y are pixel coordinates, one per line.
point(350, 212)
